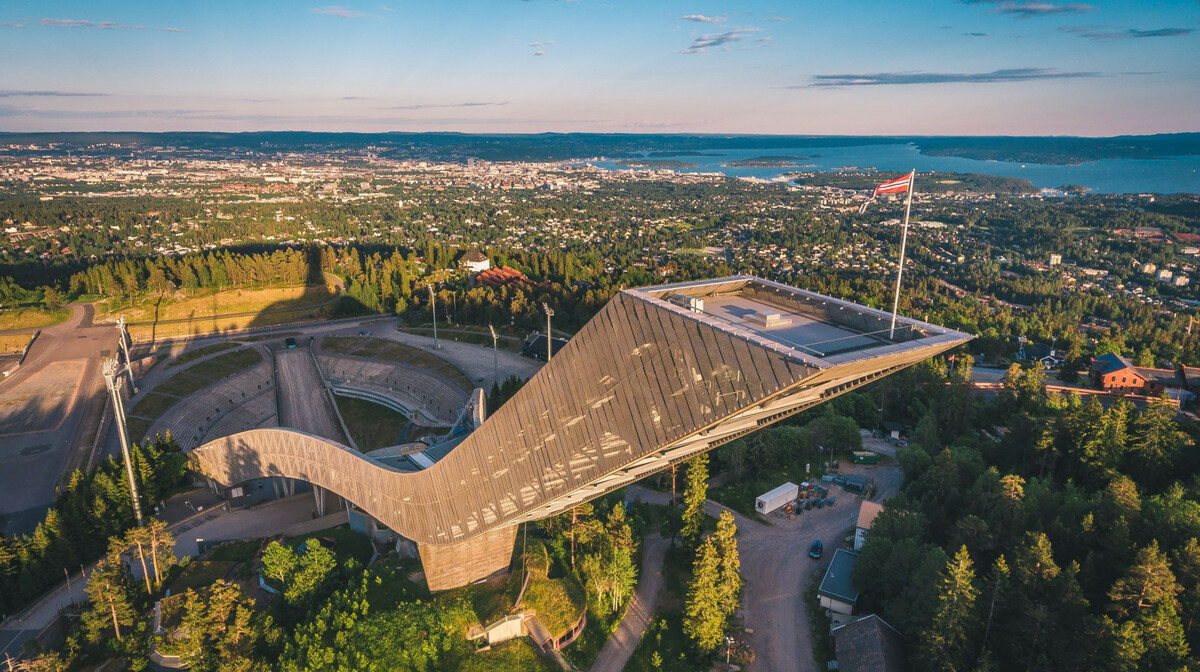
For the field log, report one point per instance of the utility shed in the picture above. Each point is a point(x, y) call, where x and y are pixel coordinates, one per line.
point(868, 645)
point(836, 592)
point(867, 512)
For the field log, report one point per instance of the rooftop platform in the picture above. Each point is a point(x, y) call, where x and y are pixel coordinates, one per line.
point(819, 330)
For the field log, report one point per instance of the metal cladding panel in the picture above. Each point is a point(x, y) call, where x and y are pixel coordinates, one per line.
point(645, 382)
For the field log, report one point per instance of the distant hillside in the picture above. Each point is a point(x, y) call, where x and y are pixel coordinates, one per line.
point(563, 146)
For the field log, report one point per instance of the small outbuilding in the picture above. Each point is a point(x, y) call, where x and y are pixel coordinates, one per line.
point(867, 512)
point(474, 261)
point(836, 592)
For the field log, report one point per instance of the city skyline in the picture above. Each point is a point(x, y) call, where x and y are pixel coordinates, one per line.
point(945, 68)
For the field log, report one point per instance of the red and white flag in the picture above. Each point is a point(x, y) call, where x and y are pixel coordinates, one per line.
point(896, 186)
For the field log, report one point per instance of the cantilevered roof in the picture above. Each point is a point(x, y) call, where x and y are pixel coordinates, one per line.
point(645, 383)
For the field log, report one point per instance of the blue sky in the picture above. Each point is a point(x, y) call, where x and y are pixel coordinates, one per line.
point(854, 67)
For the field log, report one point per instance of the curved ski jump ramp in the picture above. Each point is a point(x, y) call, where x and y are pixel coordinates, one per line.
point(660, 374)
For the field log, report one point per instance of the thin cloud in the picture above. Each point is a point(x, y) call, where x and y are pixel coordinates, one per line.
point(539, 52)
point(98, 25)
point(975, 34)
point(1028, 10)
point(48, 94)
point(902, 78)
point(437, 106)
point(342, 12)
point(779, 18)
point(701, 18)
point(1103, 33)
point(541, 43)
point(385, 8)
point(705, 42)
point(12, 24)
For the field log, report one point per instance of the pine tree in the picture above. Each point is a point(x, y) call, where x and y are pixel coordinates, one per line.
point(704, 614)
point(946, 643)
point(694, 493)
point(731, 581)
point(1146, 597)
point(111, 605)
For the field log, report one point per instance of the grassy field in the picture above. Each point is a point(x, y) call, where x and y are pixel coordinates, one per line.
point(14, 343)
point(138, 428)
point(152, 405)
point(361, 346)
point(345, 542)
point(193, 355)
point(31, 318)
point(515, 654)
point(227, 364)
point(201, 574)
point(237, 551)
point(181, 307)
point(221, 325)
point(183, 384)
point(372, 426)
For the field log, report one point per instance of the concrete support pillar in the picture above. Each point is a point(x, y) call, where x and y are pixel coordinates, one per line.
point(452, 565)
point(319, 498)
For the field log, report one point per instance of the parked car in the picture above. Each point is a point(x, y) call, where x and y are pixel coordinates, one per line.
point(814, 551)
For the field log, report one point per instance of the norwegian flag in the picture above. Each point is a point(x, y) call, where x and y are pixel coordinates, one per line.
point(894, 187)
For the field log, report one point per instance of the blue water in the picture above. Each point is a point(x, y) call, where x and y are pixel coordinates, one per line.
point(1117, 176)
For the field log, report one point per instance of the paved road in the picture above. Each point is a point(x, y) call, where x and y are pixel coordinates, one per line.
point(47, 399)
point(621, 644)
point(778, 571)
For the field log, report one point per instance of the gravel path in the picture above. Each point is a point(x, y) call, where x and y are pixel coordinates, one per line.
point(620, 646)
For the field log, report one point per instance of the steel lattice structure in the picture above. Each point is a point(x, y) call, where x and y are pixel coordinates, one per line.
point(660, 374)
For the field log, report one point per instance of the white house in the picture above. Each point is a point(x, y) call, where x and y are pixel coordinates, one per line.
point(474, 261)
point(866, 517)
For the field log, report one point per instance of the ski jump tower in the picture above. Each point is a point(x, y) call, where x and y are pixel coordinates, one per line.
point(660, 374)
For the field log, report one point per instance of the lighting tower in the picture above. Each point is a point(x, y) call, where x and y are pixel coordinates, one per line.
point(123, 334)
point(433, 306)
point(495, 356)
point(549, 338)
point(112, 372)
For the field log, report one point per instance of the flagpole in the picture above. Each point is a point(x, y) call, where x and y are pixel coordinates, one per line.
point(903, 241)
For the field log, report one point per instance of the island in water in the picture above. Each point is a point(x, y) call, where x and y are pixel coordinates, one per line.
point(768, 162)
point(656, 163)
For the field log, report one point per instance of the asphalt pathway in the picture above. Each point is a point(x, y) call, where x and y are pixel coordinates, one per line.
point(620, 646)
point(31, 462)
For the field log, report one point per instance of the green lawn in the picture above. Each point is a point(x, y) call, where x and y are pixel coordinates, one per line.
point(193, 355)
point(152, 405)
point(183, 384)
point(239, 359)
point(237, 551)
point(558, 602)
point(201, 574)
point(515, 654)
point(343, 345)
point(137, 428)
point(372, 425)
point(345, 541)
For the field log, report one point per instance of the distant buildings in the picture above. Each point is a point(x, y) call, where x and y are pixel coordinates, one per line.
point(1115, 373)
point(474, 261)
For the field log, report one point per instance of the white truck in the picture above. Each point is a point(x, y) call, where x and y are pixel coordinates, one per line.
point(776, 498)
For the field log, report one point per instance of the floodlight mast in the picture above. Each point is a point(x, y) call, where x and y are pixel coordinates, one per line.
point(495, 356)
point(112, 372)
point(549, 338)
point(433, 305)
